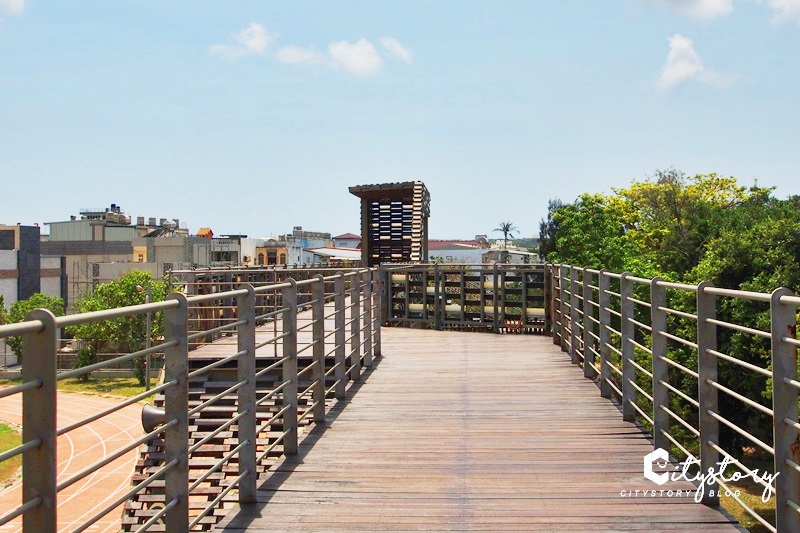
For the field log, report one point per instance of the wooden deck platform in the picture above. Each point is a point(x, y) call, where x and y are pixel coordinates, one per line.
point(470, 432)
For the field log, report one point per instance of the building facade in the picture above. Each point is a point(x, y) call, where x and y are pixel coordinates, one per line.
point(394, 222)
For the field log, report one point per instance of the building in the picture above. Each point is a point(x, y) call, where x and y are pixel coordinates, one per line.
point(299, 241)
point(519, 257)
point(456, 251)
point(347, 240)
point(24, 271)
point(394, 222)
point(98, 237)
point(271, 252)
point(178, 252)
point(336, 255)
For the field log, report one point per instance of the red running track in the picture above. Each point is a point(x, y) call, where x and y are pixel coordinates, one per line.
point(77, 450)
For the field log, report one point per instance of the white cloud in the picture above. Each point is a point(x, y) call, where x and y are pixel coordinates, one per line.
point(784, 10)
point(684, 64)
point(15, 7)
point(698, 9)
point(359, 58)
point(294, 55)
point(252, 40)
point(396, 49)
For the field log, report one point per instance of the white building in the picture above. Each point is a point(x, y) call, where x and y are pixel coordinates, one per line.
point(347, 240)
point(454, 251)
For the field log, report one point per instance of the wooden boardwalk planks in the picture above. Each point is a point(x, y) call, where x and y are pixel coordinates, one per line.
point(470, 432)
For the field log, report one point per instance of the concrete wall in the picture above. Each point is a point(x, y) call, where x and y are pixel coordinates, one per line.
point(247, 248)
point(71, 230)
point(296, 248)
point(112, 271)
point(28, 262)
point(346, 243)
point(8, 283)
point(456, 255)
point(90, 230)
point(120, 233)
point(53, 278)
point(8, 238)
point(81, 276)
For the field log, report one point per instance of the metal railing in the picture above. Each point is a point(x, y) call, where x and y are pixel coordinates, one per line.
point(626, 332)
point(498, 297)
point(300, 314)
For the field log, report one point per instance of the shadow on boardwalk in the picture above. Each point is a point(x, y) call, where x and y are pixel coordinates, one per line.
point(470, 432)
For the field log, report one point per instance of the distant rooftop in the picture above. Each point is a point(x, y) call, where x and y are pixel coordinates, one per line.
point(348, 236)
point(439, 244)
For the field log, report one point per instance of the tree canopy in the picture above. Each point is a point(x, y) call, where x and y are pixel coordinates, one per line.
point(126, 334)
point(507, 229)
point(689, 229)
point(20, 310)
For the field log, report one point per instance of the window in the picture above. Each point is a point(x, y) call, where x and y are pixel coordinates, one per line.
point(260, 259)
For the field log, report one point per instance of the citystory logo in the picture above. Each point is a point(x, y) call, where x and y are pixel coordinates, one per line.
point(703, 480)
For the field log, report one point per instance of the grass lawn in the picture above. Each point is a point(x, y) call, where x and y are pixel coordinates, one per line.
point(750, 492)
point(9, 438)
point(751, 495)
point(124, 387)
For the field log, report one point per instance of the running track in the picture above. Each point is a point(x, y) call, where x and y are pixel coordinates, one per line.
point(76, 450)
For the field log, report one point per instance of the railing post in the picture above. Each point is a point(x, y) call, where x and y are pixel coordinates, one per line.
point(784, 405)
point(176, 407)
point(495, 295)
point(707, 395)
point(246, 372)
point(355, 326)
point(588, 326)
point(438, 305)
point(385, 295)
point(627, 331)
point(562, 294)
point(548, 302)
point(318, 351)
point(574, 329)
point(39, 416)
point(658, 323)
point(368, 318)
point(556, 304)
point(377, 299)
point(289, 299)
point(604, 301)
point(340, 354)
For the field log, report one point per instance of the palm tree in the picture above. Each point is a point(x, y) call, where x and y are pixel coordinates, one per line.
point(507, 229)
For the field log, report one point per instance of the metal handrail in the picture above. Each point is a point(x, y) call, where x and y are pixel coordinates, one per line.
point(604, 308)
point(237, 312)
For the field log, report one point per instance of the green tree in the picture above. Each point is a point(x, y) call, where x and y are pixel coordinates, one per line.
point(673, 217)
point(507, 229)
point(758, 250)
point(591, 232)
point(3, 312)
point(126, 334)
point(21, 309)
point(690, 229)
point(548, 228)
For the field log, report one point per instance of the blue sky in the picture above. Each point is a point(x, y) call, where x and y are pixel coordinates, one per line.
point(255, 116)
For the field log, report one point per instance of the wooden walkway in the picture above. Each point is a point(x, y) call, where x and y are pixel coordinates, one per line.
point(470, 432)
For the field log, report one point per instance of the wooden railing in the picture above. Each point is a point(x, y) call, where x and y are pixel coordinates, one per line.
point(495, 297)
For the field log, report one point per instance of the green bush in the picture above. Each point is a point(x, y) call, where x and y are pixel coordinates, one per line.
point(21, 309)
